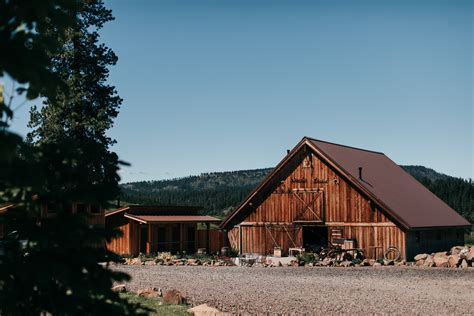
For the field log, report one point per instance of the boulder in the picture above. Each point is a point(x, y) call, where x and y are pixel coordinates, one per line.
point(136, 261)
point(150, 292)
point(150, 263)
point(388, 262)
point(453, 261)
point(377, 264)
point(456, 250)
point(421, 256)
point(441, 260)
point(420, 263)
point(119, 288)
point(346, 263)
point(365, 263)
point(174, 297)
point(464, 264)
point(429, 262)
point(204, 310)
point(401, 263)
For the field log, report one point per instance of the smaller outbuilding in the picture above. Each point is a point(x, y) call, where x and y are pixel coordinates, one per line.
point(150, 229)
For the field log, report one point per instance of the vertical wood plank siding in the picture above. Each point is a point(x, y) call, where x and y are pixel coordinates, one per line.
point(307, 191)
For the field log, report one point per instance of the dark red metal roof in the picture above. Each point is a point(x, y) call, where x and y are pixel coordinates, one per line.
point(383, 181)
point(149, 219)
point(403, 196)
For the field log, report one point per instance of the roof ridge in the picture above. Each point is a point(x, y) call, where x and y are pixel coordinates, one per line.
point(352, 147)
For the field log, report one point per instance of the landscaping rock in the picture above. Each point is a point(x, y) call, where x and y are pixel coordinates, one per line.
point(150, 263)
point(388, 263)
point(441, 260)
point(464, 264)
point(365, 263)
point(119, 288)
point(421, 256)
point(346, 264)
point(429, 262)
point(454, 261)
point(377, 264)
point(151, 292)
point(174, 297)
point(205, 310)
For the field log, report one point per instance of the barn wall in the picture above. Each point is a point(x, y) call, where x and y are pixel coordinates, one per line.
point(429, 241)
point(307, 191)
point(120, 245)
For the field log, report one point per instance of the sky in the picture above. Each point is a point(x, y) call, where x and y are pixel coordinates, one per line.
point(228, 85)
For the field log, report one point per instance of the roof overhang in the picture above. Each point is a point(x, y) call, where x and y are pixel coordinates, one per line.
point(169, 219)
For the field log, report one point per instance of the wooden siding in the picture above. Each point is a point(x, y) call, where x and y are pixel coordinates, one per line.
point(309, 192)
point(433, 240)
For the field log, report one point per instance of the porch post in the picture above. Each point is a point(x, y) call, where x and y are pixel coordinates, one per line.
point(148, 244)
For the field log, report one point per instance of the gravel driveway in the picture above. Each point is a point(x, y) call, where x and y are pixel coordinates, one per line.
point(290, 290)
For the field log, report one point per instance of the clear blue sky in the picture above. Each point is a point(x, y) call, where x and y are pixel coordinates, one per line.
point(229, 85)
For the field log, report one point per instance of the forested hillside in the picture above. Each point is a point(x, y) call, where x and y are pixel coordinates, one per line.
point(219, 192)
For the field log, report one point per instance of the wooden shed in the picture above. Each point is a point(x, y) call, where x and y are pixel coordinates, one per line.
point(321, 191)
point(150, 229)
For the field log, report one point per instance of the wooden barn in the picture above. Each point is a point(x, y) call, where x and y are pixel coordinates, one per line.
point(151, 229)
point(321, 191)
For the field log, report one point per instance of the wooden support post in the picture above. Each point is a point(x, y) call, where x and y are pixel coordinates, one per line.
point(148, 243)
point(208, 241)
point(240, 239)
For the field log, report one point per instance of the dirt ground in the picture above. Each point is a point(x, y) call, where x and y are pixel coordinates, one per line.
point(320, 290)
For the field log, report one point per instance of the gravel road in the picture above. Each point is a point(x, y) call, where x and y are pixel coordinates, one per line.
point(320, 290)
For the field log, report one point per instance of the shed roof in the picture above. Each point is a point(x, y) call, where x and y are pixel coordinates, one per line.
point(383, 181)
point(150, 219)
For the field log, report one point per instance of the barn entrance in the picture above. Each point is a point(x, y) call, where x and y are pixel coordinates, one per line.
point(315, 237)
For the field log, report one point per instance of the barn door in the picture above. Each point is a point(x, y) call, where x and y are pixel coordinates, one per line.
point(309, 205)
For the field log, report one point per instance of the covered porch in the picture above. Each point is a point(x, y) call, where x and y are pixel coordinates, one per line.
point(172, 233)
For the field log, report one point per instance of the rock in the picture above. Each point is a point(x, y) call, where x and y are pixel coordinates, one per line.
point(310, 264)
point(377, 264)
point(420, 263)
point(150, 263)
point(464, 264)
point(388, 262)
point(464, 251)
point(136, 261)
point(346, 263)
point(453, 261)
point(469, 257)
point(327, 262)
point(456, 250)
point(401, 263)
point(421, 256)
point(119, 288)
point(441, 260)
point(294, 263)
point(365, 263)
point(204, 310)
point(174, 297)
point(429, 262)
point(151, 292)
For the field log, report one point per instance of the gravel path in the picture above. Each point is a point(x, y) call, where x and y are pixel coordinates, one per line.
point(290, 290)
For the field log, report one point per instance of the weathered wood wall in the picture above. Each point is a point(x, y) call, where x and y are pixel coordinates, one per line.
point(433, 240)
point(307, 191)
point(217, 240)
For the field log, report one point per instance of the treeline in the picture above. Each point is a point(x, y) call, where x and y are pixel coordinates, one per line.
point(220, 192)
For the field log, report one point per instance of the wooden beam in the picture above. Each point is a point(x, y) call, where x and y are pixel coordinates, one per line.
point(382, 224)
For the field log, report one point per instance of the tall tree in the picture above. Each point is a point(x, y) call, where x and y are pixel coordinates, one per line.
point(70, 129)
point(51, 266)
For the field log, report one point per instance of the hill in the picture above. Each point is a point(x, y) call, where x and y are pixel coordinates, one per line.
point(219, 192)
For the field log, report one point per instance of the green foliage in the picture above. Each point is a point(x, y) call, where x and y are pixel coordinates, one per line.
point(356, 261)
point(306, 257)
point(155, 305)
point(52, 266)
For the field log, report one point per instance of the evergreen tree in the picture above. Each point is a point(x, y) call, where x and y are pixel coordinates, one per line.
point(51, 266)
